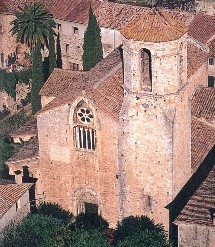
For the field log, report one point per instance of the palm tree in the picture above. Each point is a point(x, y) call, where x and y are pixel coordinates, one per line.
point(32, 25)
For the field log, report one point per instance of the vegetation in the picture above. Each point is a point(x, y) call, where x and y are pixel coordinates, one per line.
point(37, 79)
point(90, 221)
point(92, 48)
point(32, 26)
point(58, 49)
point(53, 226)
point(56, 211)
point(36, 231)
point(52, 55)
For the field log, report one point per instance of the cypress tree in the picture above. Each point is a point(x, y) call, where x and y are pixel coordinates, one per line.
point(58, 49)
point(92, 43)
point(52, 55)
point(37, 78)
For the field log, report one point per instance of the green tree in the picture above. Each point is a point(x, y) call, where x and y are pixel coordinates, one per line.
point(87, 238)
point(37, 78)
point(92, 43)
point(36, 231)
point(146, 238)
point(90, 221)
point(56, 211)
point(31, 27)
point(52, 55)
point(58, 49)
point(130, 225)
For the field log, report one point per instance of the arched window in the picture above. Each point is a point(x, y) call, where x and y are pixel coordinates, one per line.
point(84, 131)
point(146, 70)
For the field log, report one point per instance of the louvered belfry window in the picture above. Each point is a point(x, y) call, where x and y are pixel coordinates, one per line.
point(84, 133)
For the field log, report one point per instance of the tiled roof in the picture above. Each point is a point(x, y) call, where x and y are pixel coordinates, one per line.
point(60, 80)
point(195, 58)
point(202, 128)
point(28, 151)
point(5, 181)
point(202, 141)
point(155, 26)
point(105, 78)
point(202, 27)
point(9, 194)
point(29, 128)
point(197, 209)
point(203, 103)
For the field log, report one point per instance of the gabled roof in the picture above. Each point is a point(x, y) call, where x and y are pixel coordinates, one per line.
point(155, 26)
point(28, 128)
point(195, 58)
point(10, 194)
point(102, 84)
point(202, 27)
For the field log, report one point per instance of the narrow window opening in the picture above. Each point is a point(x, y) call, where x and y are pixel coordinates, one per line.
point(67, 48)
point(85, 137)
point(59, 27)
point(146, 70)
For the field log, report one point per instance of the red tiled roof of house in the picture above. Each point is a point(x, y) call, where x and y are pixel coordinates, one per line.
point(202, 128)
point(202, 28)
point(10, 194)
point(29, 128)
point(203, 104)
point(96, 81)
point(155, 26)
point(195, 58)
point(202, 141)
point(28, 151)
point(197, 209)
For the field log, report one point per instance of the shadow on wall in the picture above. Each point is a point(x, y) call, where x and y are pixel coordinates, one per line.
point(176, 206)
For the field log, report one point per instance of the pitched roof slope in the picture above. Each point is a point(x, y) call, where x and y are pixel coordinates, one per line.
point(29, 128)
point(155, 26)
point(105, 78)
point(195, 58)
point(197, 210)
point(202, 27)
point(10, 193)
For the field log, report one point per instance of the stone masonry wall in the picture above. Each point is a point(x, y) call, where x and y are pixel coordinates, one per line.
point(196, 236)
point(70, 174)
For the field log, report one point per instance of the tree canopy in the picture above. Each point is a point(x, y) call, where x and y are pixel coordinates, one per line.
point(92, 43)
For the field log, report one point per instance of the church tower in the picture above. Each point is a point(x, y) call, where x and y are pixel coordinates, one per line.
point(154, 161)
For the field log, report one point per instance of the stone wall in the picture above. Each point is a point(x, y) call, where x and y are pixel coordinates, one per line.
point(72, 176)
point(192, 235)
point(207, 6)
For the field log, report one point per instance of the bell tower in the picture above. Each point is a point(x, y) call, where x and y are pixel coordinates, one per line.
point(155, 70)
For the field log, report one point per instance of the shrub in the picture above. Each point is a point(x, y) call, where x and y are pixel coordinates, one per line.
point(87, 238)
point(130, 225)
point(90, 221)
point(146, 238)
point(56, 211)
point(36, 231)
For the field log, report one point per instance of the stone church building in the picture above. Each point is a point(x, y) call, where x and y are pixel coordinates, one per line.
point(126, 137)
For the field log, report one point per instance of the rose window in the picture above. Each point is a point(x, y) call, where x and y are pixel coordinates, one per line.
point(85, 115)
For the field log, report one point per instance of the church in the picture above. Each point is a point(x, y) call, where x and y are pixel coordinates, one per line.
point(128, 136)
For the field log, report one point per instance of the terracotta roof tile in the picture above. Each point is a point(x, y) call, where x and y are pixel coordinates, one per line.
point(5, 181)
point(92, 81)
point(197, 209)
point(202, 28)
point(203, 103)
point(28, 151)
point(202, 141)
point(195, 58)
point(155, 26)
point(9, 194)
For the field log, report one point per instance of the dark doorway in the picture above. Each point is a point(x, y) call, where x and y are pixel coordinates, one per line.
point(91, 208)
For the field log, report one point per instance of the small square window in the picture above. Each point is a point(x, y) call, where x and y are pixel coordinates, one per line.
point(211, 61)
point(75, 30)
point(74, 66)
